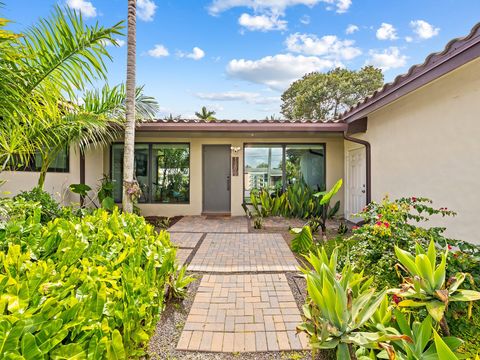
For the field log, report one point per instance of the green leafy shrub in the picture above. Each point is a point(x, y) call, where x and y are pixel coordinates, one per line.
point(89, 287)
point(387, 224)
point(50, 208)
point(104, 193)
point(12, 210)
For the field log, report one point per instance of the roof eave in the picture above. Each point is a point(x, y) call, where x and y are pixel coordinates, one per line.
point(242, 127)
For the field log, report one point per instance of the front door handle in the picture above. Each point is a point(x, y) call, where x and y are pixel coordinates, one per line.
point(228, 182)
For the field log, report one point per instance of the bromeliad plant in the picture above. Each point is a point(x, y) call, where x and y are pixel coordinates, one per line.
point(426, 286)
point(339, 306)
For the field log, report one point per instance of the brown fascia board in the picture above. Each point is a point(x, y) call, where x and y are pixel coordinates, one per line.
point(242, 127)
point(456, 53)
point(358, 126)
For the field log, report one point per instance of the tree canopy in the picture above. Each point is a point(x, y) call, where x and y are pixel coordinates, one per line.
point(327, 95)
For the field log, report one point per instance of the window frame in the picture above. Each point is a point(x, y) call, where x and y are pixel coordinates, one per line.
point(283, 145)
point(150, 174)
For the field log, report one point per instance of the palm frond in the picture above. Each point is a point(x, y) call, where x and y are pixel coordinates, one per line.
point(65, 51)
point(110, 101)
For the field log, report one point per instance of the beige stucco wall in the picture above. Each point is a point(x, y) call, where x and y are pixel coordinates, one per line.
point(55, 183)
point(334, 165)
point(426, 144)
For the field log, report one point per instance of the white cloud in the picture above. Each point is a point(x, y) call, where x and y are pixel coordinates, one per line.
point(146, 9)
point(342, 6)
point(274, 6)
point(387, 59)
point(408, 39)
point(262, 22)
point(305, 19)
point(158, 51)
point(245, 96)
point(328, 46)
point(351, 29)
point(196, 54)
point(423, 29)
point(85, 7)
point(119, 42)
point(277, 71)
point(387, 32)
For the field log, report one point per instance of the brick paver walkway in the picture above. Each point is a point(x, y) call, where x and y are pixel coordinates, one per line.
point(243, 253)
point(185, 240)
point(202, 224)
point(182, 255)
point(237, 313)
point(249, 311)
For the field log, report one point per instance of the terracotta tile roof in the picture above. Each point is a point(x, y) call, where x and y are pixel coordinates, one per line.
point(194, 125)
point(456, 53)
point(235, 121)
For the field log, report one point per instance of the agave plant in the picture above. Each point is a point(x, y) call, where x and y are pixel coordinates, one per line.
point(426, 285)
point(421, 342)
point(338, 307)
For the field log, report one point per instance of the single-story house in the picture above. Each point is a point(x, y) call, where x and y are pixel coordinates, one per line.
point(416, 136)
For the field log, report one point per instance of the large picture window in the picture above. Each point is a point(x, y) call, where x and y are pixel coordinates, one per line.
point(162, 171)
point(276, 166)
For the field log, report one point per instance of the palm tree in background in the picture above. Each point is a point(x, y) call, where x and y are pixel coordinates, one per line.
point(206, 114)
point(129, 145)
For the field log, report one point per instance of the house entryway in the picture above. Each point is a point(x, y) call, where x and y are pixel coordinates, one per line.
point(355, 199)
point(216, 179)
point(243, 302)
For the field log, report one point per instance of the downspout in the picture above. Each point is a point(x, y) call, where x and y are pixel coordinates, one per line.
point(368, 160)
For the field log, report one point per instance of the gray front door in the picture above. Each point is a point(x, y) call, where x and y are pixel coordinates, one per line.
point(216, 179)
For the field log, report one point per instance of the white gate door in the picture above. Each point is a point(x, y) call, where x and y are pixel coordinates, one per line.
point(356, 198)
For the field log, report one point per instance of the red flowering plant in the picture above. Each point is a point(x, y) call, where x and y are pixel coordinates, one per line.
point(400, 222)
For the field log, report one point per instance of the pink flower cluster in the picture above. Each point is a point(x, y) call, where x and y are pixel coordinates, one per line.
point(383, 223)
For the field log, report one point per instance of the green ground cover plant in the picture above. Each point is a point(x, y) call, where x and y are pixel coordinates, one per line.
point(88, 287)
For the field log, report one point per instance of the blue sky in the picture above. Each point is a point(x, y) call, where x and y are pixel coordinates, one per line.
point(237, 56)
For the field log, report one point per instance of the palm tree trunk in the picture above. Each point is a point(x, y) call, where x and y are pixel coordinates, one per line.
point(46, 162)
point(129, 145)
